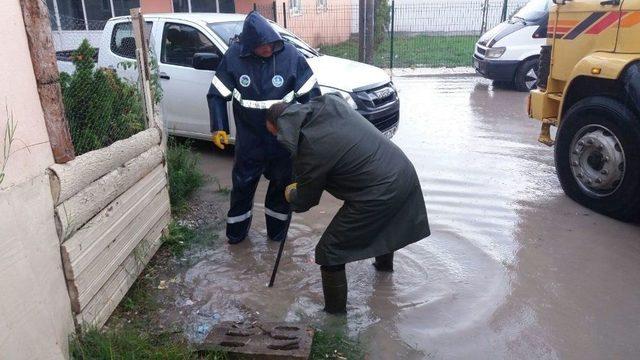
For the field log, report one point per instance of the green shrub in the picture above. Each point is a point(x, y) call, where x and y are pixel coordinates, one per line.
point(184, 175)
point(100, 107)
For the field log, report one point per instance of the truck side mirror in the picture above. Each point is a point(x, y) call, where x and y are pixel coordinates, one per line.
point(206, 61)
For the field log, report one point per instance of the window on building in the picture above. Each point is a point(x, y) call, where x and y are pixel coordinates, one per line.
point(52, 15)
point(122, 7)
point(98, 12)
point(227, 6)
point(203, 6)
point(295, 6)
point(123, 42)
point(180, 6)
point(71, 15)
point(181, 42)
point(321, 4)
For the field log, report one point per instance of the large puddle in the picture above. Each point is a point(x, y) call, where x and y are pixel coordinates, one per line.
point(512, 269)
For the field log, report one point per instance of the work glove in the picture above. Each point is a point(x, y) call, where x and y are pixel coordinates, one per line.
point(289, 191)
point(220, 138)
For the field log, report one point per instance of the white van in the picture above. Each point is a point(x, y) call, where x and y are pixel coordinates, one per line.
point(509, 52)
point(203, 38)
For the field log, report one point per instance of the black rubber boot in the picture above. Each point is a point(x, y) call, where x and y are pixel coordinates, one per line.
point(384, 263)
point(334, 287)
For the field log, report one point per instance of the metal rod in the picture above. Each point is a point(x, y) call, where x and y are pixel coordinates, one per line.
point(505, 4)
point(275, 266)
point(284, 13)
point(274, 7)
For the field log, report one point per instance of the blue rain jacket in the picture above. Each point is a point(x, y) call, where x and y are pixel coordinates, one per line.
point(255, 84)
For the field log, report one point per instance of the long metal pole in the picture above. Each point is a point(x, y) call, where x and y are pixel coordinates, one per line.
point(504, 10)
point(274, 8)
point(275, 266)
point(284, 13)
point(393, 16)
point(361, 29)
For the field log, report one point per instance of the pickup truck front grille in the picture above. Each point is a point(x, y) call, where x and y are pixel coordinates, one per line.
point(377, 97)
point(481, 51)
point(384, 122)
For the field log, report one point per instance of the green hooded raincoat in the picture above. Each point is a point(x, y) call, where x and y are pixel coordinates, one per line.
point(335, 149)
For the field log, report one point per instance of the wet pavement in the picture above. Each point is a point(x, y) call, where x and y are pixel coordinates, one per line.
point(513, 268)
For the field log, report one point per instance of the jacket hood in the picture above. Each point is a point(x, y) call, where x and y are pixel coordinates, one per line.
point(257, 31)
point(290, 124)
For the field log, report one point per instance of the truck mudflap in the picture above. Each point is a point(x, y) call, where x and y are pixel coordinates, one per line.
point(544, 107)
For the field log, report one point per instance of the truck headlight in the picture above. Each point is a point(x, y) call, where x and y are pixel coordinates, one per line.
point(494, 53)
point(345, 95)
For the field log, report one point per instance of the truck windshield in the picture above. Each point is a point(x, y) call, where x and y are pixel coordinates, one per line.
point(534, 10)
point(228, 31)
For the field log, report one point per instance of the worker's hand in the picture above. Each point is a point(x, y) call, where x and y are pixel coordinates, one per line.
point(220, 138)
point(289, 190)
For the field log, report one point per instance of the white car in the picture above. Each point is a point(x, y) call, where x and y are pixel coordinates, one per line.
point(509, 52)
point(179, 40)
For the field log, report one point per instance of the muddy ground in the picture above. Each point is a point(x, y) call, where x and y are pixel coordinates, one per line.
point(513, 268)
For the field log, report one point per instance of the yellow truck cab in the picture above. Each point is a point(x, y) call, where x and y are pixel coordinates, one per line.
point(590, 90)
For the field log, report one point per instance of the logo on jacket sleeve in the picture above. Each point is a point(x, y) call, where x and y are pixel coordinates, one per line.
point(245, 80)
point(277, 81)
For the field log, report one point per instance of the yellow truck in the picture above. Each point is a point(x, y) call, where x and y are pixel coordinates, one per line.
point(589, 89)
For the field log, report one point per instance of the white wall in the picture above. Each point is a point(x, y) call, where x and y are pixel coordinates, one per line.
point(35, 313)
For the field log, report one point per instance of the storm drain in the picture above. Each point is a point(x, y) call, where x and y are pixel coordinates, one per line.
point(261, 340)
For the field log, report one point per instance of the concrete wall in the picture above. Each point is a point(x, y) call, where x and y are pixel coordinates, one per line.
point(156, 6)
point(35, 311)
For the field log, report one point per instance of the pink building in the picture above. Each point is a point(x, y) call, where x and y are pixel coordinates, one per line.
point(319, 22)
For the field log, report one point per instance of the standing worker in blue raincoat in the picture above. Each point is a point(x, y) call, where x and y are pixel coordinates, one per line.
point(257, 71)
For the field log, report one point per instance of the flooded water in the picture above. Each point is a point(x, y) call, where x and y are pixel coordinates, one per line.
point(513, 269)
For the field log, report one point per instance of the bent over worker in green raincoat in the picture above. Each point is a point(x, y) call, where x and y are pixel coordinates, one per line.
point(335, 149)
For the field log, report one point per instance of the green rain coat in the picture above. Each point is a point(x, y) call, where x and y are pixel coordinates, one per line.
point(335, 149)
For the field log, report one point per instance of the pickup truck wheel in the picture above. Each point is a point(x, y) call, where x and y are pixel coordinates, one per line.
point(526, 78)
point(597, 157)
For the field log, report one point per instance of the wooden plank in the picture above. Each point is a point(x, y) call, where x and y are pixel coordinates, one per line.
point(88, 242)
point(89, 281)
point(107, 299)
point(68, 179)
point(88, 202)
point(45, 69)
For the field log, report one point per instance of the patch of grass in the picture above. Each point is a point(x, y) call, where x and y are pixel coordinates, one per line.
point(132, 344)
point(221, 189)
point(138, 297)
point(178, 238)
point(184, 174)
point(335, 345)
point(413, 51)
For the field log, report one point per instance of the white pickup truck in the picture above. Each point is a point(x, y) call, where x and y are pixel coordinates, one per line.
point(179, 40)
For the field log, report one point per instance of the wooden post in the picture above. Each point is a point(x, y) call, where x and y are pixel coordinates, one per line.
point(144, 71)
point(45, 68)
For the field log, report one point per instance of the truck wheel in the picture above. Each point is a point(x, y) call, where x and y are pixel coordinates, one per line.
point(526, 78)
point(597, 157)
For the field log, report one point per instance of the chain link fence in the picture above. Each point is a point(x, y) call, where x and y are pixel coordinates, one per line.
point(430, 34)
point(102, 104)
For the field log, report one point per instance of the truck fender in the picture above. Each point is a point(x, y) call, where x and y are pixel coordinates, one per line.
point(610, 65)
